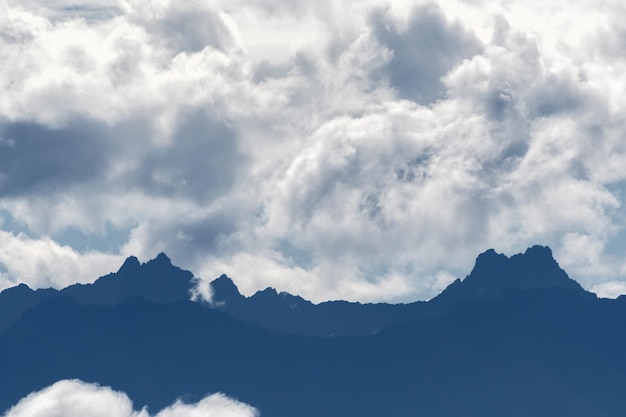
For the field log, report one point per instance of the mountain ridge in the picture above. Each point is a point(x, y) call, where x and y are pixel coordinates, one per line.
point(516, 337)
point(528, 353)
point(492, 275)
point(157, 280)
point(160, 281)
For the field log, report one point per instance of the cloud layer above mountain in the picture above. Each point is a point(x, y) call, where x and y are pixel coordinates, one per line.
point(74, 398)
point(362, 150)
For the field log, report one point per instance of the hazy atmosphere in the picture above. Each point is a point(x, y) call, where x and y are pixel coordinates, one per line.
point(362, 150)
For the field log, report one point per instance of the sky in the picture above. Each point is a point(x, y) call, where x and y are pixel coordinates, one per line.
point(361, 150)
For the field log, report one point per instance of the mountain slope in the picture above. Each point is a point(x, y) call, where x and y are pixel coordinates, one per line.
point(491, 276)
point(14, 301)
point(544, 352)
point(516, 337)
point(495, 273)
point(157, 280)
point(287, 313)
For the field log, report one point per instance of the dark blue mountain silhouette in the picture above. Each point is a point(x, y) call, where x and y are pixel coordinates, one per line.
point(548, 352)
point(495, 273)
point(492, 275)
point(157, 280)
point(14, 301)
point(517, 338)
point(292, 314)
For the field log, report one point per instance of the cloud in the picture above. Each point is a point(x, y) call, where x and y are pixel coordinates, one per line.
point(611, 289)
point(43, 263)
point(215, 405)
point(359, 150)
point(74, 398)
point(189, 26)
point(45, 158)
point(424, 51)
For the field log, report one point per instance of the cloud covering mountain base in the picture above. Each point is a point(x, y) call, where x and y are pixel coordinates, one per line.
point(75, 398)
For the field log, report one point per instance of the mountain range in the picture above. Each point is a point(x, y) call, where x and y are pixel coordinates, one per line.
point(516, 337)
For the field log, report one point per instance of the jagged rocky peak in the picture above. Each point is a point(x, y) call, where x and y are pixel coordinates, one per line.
point(131, 264)
point(268, 292)
point(161, 259)
point(489, 261)
point(156, 280)
point(535, 268)
point(494, 273)
point(224, 288)
point(20, 288)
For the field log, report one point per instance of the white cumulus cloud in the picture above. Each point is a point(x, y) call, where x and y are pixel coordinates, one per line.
point(74, 398)
point(364, 149)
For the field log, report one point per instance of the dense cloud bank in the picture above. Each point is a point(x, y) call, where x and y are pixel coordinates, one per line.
point(74, 398)
point(363, 150)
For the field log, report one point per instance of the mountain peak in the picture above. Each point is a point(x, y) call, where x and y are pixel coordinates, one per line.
point(535, 268)
point(488, 263)
point(131, 264)
point(540, 250)
point(162, 258)
point(224, 290)
point(157, 280)
point(495, 273)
